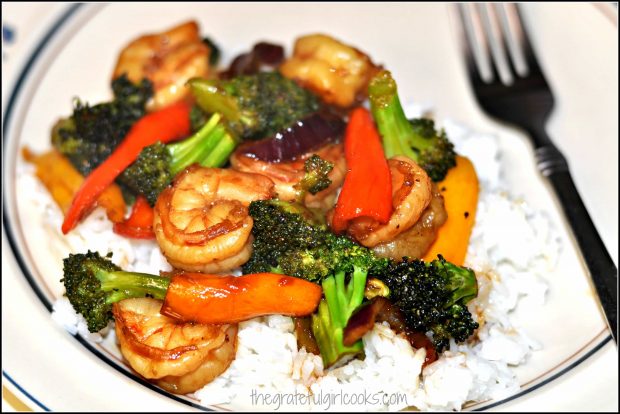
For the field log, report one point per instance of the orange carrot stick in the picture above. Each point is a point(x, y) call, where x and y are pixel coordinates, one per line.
point(217, 299)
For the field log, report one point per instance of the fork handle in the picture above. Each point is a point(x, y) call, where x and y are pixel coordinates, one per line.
point(603, 271)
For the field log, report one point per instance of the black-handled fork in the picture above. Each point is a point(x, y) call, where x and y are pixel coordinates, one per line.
point(509, 85)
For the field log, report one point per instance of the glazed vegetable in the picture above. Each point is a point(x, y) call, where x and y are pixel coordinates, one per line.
point(93, 283)
point(433, 296)
point(165, 125)
point(304, 335)
point(90, 135)
point(62, 181)
point(255, 106)
point(460, 193)
point(157, 164)
point(263, 56)
point(367, 188)
point(139, 225)
point(374, 288)
point(328, 324)
point(197, 118)
point(306, 135)
point(290, 239)
point(214, 51)
point(215, 299)
point(380, 309)
point(416, 139)
point(316, 177)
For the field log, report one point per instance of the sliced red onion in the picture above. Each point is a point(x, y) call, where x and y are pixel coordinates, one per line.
point(263, 54)
point(304, 335)
point(303, 136)
point(380, 309)
point(268, 53)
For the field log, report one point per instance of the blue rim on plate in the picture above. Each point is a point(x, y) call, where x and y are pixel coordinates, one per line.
point(7, 228)
point(24, 392)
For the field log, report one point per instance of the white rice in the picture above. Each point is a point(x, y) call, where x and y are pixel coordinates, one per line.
point(269, 373)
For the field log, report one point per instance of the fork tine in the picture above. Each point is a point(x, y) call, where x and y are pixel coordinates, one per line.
point(512, 32)
point(469, 46)
point(473, 43)
point(496, 42)
point(515, 35)
point(526, 45)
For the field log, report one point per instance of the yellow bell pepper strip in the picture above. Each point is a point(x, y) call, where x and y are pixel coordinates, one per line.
point(165, 125)
point(460, 192)
point(62, 181)
point(367, 188)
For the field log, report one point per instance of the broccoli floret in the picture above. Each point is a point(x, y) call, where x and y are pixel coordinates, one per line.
point(90, 135)
point(316, 177)
point(284, 229)
point(433, 297)
point(255, 106)
point(416, 139)
point(93, 283)
point(333, 314)
point(291, 239)
point(157, 164)
point(197, 118)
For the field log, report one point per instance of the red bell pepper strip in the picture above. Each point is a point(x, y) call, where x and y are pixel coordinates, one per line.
point(139, 225)
point(164, 125)
point(367, 188)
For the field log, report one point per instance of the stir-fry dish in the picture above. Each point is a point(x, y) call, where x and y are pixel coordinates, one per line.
point(277, 186)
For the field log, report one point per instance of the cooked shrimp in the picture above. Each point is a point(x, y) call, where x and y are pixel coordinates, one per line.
point(179, 357)
point(286, 175)
point(168, 60)
point(335, 71)
point(417, 240)
point(411, 194)
point(202, 223)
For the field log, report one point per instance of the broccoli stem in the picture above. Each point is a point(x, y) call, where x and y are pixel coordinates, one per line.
point(210, 146)
point(158, 164)
point(395, 128)
point(254, 106)
point(225, 146)
point(416, 139)
point(328, 323)
point(93, 283)
point(127, 285)
point(212, 98)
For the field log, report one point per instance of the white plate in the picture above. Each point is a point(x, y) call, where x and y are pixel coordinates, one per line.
point(74, 56)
